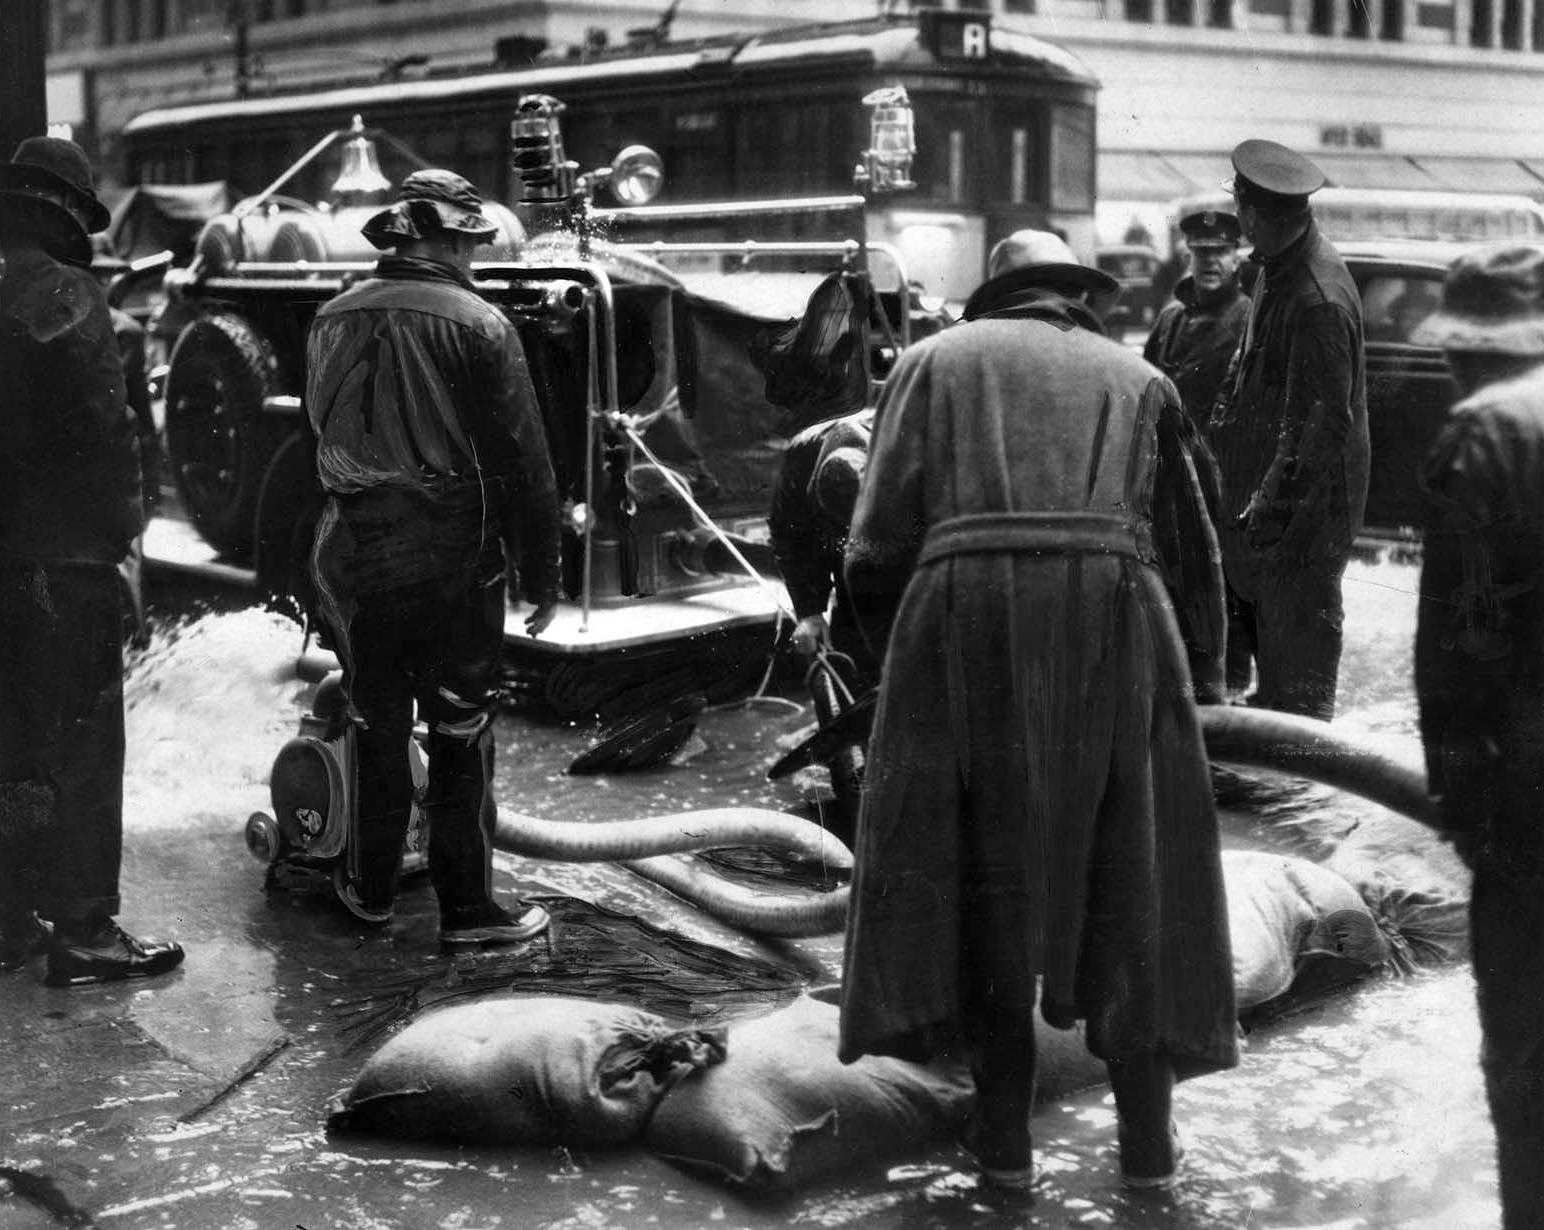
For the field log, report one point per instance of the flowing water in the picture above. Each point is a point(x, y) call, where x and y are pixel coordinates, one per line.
point(1365, 1111)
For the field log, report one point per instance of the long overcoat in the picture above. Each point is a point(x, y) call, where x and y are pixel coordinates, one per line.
point(1038, 801)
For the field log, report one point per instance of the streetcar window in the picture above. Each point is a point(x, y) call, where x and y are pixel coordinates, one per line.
point(1014, 167)
point(943, 168)
point(1018, 166)
point(698, 152)
point(1072, 158)
point(784, 151)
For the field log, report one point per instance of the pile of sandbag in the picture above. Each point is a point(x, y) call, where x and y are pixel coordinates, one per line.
point(765, 1104)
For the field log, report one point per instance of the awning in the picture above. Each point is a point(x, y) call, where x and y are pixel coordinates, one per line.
point(1486, 175)
point(1375, 171)
point(1483, 175)
point(1206, 173)
point(1139, 175)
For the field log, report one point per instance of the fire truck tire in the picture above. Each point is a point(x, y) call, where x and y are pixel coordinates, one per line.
point(218, 438)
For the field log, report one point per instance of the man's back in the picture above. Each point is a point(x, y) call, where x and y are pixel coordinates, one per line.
point(396, 378)
point(1026, 414)
point(69, 477)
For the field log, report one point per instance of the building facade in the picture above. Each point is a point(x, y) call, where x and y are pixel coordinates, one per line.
point(1406, 94)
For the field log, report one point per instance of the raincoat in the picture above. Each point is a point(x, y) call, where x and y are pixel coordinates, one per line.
point(1038, 800)
point(1193, 341)
point(1289, 430)
point(1479, 676)
point(69, 511)
point(429, 440)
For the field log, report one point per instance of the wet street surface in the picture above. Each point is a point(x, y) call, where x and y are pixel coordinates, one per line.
point(199, 1100)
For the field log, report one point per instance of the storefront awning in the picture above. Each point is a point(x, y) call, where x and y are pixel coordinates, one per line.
point(1139, 175)
point(1374, 171)
point(1205, 173)
point(1483, 175)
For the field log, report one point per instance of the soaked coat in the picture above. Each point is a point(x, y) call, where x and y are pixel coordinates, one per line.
point(1479, 677)
point(1291, 421)
point(1193, 341)
point(429, 438)
point(1038, 800)
point(69, 471)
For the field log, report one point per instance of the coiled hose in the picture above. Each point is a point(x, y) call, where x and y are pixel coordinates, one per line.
point(1257, 737)
point(640, 844)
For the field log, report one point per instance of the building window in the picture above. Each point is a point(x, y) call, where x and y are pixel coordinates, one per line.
point(1393, 20)
point(1180, 12)
point(1358, 19)
point(70, 22)
point(1220, 14)
point(1537, 34)
point(1321, 17)
point(1139, 10)
point(1480, 23)
point(1512, 25)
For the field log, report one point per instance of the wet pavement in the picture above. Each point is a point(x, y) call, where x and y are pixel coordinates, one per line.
point(199, 1100)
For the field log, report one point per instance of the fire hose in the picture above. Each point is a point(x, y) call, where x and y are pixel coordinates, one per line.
point(1255, 737)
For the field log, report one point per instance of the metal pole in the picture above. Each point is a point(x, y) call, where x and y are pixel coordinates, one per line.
point(23, 97)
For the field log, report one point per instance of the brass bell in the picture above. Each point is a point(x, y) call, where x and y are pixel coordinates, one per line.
point(361, 173)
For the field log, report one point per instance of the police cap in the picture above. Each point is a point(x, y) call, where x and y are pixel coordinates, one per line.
point(1271, 170)
point(1210, 228)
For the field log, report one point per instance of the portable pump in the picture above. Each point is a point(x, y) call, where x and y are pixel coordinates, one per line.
point(312, 789)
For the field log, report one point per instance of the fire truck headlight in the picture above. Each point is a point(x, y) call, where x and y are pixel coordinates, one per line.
point(637, 174)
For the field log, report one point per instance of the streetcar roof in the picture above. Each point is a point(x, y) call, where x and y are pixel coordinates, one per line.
point(883, 43)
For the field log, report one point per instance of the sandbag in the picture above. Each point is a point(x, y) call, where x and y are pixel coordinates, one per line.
point(1292, 922)
point(522, 1070)
point(782, 1110)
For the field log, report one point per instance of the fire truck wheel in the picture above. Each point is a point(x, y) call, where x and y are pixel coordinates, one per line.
point(218, 438)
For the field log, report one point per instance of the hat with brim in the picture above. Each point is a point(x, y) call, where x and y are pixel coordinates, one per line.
point(1492, 303)
point(57, 230)
point(430, 202)
point(52, 164)
point(1031, 258)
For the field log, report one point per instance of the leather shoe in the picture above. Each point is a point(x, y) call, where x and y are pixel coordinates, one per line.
point(107, 953)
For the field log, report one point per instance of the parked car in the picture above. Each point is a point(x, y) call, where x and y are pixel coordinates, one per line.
point(1133, 266)
point(1409, 387)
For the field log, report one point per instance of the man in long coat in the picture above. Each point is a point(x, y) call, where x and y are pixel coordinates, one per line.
point(69, 511)
point(1290, 434)
point(1479, 673)
point(1038, 804)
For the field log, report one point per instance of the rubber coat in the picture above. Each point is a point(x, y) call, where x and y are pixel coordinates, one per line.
point(1479, 675)
point(1038, 800)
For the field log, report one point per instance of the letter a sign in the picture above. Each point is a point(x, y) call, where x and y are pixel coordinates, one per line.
point(957, 36)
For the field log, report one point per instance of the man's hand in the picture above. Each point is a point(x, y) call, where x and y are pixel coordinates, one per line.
point(536, 622)
point(811, 634)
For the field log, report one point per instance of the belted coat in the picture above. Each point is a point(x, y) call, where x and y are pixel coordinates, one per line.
point(1038, 800)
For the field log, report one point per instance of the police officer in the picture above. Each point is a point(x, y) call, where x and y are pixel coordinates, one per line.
point(1197, 332)
point(1289, 431)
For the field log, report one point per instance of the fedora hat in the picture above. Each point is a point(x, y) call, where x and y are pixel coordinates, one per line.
point(428, 202)
point(1492, 303)
point(52, 164)
point(1035, 258)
